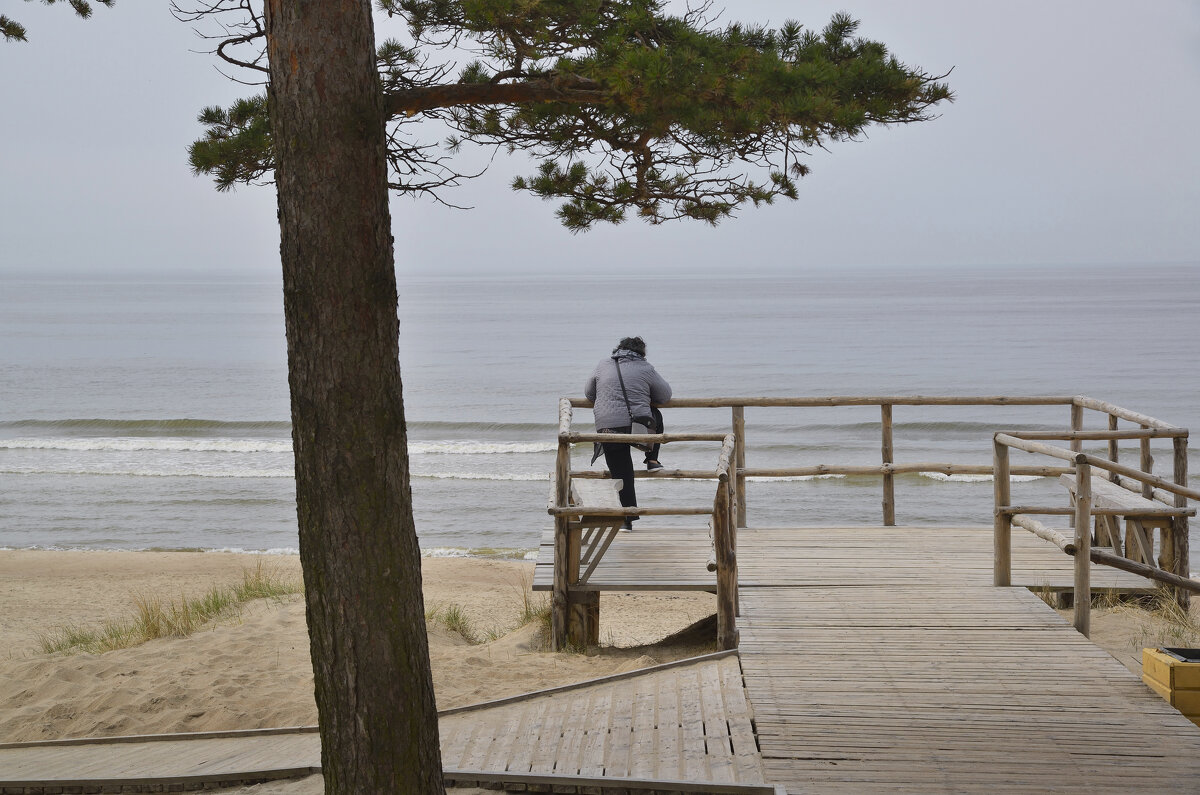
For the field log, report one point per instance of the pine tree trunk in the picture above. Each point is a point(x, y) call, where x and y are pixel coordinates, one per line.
point(358, 545)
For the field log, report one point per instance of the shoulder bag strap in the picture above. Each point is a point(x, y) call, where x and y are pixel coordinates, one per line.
point(624, 394)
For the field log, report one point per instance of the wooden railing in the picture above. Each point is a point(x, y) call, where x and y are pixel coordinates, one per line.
point(887, 468)
point(569, 621)
point(730, 505)
point(1171, 494)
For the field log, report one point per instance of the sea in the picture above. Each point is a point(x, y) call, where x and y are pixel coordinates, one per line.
point(151, 411)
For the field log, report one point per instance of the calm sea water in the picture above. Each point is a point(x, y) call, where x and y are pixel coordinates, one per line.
point(154, 414)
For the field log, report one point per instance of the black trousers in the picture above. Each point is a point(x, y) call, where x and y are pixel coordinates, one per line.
point(619, 459)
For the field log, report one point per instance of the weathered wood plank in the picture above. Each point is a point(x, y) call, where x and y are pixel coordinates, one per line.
point(906, 688)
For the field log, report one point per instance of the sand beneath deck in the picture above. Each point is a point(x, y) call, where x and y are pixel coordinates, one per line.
point(252, 671)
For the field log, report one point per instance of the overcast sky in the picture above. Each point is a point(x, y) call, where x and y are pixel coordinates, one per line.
point(1072, 140)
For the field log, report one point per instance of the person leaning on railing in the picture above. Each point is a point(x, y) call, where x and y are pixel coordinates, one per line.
point(615, 407)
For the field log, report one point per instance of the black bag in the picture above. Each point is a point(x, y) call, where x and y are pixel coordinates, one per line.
point(643, 425)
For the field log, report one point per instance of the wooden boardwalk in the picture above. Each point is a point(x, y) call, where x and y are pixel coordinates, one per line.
point(677, 727)
point(159, 761)
point(680, 727)
point(928, 689)
point(882, 659)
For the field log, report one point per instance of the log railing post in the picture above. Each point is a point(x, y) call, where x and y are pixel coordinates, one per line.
point(559, 600)
point(1147, 465)
point(1083, 546)
point(739, 461)
point(889, 481)
point(1002, 527)
point(1076, 444)
point(1179, 524)
point(1113, 450)
point(733, 534)
point(726, 570)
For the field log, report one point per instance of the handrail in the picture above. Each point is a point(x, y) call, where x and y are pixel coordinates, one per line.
point(1175, 542)
point(1099, 436)
point(886, 469)
point(1102, 463)
point(1106, 558)
point(599, 510)
point(561, 509)
point(1116, 411)
point(724, 459)
point(642, 438)
point(859, 400)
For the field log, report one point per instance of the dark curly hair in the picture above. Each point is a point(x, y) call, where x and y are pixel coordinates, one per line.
point(635, 344)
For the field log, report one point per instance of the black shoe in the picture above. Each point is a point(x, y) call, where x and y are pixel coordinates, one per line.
point(653, 465)
point(627, 526)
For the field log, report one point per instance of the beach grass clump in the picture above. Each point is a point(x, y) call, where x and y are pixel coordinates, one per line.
point(454, 618)
point(533, 610)
point(74, 639)
point(176, 618)
point(265, 583)
point(1163, 622)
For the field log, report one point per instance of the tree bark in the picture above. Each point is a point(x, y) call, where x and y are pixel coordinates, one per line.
point(358, 545)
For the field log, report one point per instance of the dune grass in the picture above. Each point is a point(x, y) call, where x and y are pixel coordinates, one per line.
point(454, 617)
point(153, 618)
point(1164, 623)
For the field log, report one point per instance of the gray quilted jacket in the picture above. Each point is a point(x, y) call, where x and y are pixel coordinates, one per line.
point(642, 382)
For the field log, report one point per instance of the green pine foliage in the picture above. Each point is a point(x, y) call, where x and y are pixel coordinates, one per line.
point(637, 110)
point(12, 30)
point(237, 144)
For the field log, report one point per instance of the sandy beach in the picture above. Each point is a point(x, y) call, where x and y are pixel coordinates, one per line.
point(252, 669)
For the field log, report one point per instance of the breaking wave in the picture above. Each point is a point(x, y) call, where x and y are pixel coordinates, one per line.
point(942, 476)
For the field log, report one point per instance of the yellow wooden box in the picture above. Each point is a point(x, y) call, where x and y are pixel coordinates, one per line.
point(1176, 681)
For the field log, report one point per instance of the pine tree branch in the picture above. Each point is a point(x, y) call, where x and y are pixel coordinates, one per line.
point(570, 89)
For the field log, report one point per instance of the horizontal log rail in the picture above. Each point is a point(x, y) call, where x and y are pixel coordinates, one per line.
point(855, 400)
point(1102, 463)
point(668, 474)
point(1008, 440)
point(1048, 533)
point(829, 469)
point(1116, 411)
point(1141, 433)
point(1045, 510)
point(883, 469)
point(725, 458)
point(656, 510)
point(641, 438)
point(1106, 558)
point(1150, 572)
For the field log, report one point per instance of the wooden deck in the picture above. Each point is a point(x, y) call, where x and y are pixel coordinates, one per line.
point(949, 690)
point(680, 727)
point(145, 763)
point(674, 559)
point(884, 660)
